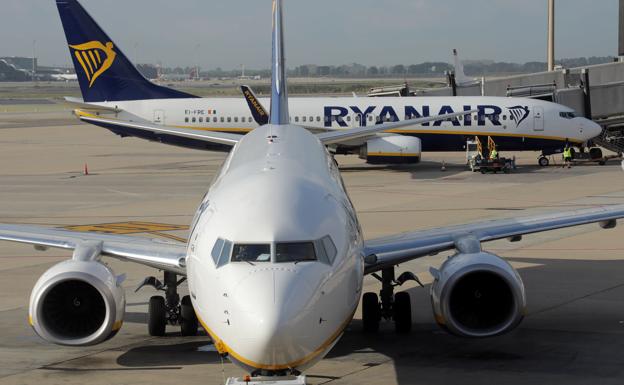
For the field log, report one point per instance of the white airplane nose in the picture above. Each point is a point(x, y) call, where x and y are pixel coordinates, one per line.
point(272, 317)
point(590, 128)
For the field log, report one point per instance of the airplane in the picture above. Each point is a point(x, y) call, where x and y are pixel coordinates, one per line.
point(111, 86)
point(65, 77)
point(276, 275)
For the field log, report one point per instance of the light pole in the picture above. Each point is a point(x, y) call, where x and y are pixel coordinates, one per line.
point(551, 35)
point(34, 62)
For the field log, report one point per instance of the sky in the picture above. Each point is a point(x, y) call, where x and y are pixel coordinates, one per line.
point(229, 33)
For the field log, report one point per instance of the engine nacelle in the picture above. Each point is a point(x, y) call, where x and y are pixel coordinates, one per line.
point(477, 295)
point(77, 303)
point(392, 149)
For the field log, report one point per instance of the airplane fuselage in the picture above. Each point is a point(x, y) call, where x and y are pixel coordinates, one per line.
point(279, 191)
point(516, 124)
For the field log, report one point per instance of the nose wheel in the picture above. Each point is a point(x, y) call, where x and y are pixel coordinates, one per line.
point(169, 309)
point(388, 305)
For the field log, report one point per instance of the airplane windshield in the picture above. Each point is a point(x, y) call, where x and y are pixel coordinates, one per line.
point(251, 253)
point(294, 252)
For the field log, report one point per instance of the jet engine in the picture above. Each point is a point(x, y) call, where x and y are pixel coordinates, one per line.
point(477, 295)
point(77, 303)
point(392, 149)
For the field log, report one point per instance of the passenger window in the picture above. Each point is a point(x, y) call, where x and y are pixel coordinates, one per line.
point(294, 252)
point(229, 119)
point(222, 120)
point(201, 120)
point(236, 119)
point(214, 119)
point(251, 253)
point(348, 118)
point(250, 119)
point(311, 118)
point(186, 120)
point(304, 119)
point(318, 118)
point(297, 119)
point(194, 120)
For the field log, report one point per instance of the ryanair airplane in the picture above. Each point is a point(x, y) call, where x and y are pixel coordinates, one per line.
point(111, 86)
point(275, 276)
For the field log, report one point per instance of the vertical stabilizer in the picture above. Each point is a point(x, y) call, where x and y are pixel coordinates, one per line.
point(104, 72)
point(279, 93)
point(460, 76)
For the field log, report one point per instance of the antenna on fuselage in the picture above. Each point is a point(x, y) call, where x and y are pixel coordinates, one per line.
point(279, 94)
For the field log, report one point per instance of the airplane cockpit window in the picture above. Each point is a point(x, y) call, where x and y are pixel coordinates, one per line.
point(294, 252)
point(567, 115)
point(221, 252)
point(330, 248)
point(251, 253)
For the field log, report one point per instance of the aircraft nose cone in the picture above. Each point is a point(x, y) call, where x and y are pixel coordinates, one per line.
point(590, 128)
point(272, 315)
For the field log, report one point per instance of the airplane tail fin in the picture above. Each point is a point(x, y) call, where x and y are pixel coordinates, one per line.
point(257, 109)
point(279, 93)
point(460, 76)
point(104, 72)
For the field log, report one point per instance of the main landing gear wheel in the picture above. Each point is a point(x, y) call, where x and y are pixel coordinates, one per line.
point(189, 323)
point(543, 161)
point(166, 310)
point(157, 316)
point(402, 309)
point(371, 313)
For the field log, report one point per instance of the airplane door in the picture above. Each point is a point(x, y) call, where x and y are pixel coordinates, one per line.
point(159, 116)
point(538, 119)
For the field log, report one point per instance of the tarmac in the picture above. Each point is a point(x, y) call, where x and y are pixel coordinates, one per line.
point(573, 333)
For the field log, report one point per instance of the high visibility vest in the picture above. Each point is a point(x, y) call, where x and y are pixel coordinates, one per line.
point(493, 154)
point(567, 153)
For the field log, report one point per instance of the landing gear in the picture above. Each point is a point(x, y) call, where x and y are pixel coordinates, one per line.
point(396, 307)
point(189, 322)
point(371, 313)
point(543, 161)
point(156, 316)
point(169, 310)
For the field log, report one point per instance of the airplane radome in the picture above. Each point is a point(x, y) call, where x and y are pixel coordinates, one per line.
point(276, 257)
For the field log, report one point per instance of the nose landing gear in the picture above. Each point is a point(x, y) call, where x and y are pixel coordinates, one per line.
point(396, 307)
point(169, 310)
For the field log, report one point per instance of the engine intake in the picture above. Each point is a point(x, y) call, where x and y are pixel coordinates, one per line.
point(478, 295)
point(77, 303)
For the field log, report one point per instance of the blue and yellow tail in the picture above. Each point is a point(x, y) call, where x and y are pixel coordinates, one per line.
point(104, 72)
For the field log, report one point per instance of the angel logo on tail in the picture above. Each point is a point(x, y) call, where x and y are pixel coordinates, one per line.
point(518, 114)
point(94, 58)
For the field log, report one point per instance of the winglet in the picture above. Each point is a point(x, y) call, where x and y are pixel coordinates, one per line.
point(279, 93)
point(257, 109)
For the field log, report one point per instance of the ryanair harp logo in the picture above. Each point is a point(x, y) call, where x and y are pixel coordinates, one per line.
point(94, 58)
point(518, 114)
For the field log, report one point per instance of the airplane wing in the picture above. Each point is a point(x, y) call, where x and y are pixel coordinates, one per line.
point(206, 136)
point(339, 136)
point(156, 253)
point(390, 251)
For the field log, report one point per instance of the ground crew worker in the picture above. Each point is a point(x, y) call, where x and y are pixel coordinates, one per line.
point(567, 156)
point(493, 154)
